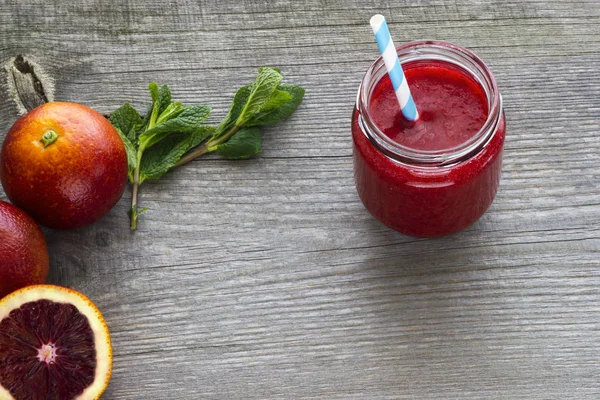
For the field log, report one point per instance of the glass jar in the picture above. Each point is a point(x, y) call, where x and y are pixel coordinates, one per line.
point(428, 193)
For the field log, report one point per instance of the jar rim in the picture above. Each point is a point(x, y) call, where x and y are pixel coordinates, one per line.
point(434, 50)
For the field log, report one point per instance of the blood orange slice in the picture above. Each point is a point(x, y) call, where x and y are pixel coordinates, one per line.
point(54, 344)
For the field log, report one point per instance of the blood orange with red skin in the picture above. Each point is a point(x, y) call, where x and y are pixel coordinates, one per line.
point(23, 251)
point(64, 164)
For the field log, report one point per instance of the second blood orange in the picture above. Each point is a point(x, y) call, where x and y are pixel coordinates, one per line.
point(23, 252)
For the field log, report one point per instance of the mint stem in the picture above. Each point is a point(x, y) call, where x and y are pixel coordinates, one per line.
point(133, 213)
point(191, 155)
point(210, 146)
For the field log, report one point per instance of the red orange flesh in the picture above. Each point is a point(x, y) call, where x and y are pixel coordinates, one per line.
point(54, 344)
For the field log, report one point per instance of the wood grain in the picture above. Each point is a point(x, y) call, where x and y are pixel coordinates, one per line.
point(267, 278)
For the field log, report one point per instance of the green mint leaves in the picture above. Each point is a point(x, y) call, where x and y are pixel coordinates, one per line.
point(131, 153)
point(244, 144)
point(182, 120)
point(171, 134)
point(161, 158)
point(127, 120)
point(272, 116)
point(261, 92)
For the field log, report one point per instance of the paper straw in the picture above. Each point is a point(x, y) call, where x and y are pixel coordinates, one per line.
point(394, 69)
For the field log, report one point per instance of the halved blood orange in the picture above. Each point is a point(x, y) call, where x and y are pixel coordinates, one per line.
point(54, 344)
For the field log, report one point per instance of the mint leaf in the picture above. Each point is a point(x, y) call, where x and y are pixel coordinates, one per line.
point(276, 115)
point(172, 110)
point(164, 155)
point(134, 213)
point(239, 102)
point(160, 158)
point(161, 100)
point(189, 119)
point(131, 154)
point(277, 99)
point(133, 133)
point(164, 98)
point(145, 120)
point(244, 144)
point(125, 119)
point(153, 88)
point(200, 134)
point(261, 90)
point(138, 211)
point(154, 93)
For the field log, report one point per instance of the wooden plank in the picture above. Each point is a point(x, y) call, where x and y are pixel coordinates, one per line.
point(267, 278)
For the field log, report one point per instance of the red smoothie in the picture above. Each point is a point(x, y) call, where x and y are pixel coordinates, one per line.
point(452, 109)
point(437, 175)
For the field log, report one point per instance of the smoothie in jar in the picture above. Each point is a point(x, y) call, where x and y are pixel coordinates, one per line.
point(439, 174)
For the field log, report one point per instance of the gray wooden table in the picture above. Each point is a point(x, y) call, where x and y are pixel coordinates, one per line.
point(267, 278)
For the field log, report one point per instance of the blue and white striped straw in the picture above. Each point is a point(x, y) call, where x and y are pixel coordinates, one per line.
point(394, 69)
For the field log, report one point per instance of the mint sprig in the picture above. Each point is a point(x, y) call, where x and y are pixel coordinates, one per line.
point(170, 134)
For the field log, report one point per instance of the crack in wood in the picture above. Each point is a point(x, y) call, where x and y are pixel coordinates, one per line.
point(29, 86)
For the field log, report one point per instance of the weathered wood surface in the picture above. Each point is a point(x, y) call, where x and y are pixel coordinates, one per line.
point(266, 278)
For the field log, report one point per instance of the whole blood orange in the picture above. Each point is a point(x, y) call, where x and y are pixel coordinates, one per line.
point(23, 251)
point(64, 164)
point(54, 344)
